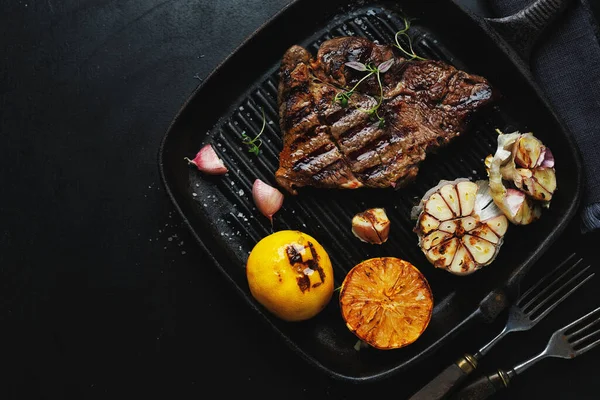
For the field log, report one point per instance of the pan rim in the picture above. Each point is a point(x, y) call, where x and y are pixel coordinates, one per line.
point(475, 315)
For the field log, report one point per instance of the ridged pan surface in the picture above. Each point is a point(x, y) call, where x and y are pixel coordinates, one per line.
point(221, 213)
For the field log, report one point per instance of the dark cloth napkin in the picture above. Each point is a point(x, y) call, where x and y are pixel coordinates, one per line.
point(566, 65)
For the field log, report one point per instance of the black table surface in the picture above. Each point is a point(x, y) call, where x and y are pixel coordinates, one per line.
point(104, 293)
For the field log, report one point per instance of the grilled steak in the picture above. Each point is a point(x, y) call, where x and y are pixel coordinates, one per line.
point(424, 105)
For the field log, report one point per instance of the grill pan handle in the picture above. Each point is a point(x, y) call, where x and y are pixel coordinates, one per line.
point(522, 29)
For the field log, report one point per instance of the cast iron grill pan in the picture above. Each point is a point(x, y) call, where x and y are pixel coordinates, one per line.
point(221, 213)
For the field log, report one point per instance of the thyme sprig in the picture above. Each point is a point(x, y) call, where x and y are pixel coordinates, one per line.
point(404, 32)
point(343, 98)
point(373, 111)
point(254, 144)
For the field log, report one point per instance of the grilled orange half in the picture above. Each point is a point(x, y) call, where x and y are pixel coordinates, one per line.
point(386, 302)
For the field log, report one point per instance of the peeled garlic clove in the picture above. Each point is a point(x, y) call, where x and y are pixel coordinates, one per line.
point(427, 224)
point(524, 176)
point(450, 196)
point(526, 183)
point(457, 238)
point(371, 226)
point(268, 199)
point(208, 161)
point(528, 150)
point(448, 226)
point(467, 192)
point(544, 184)
point(364, 230)
point(539, 183)
point(435, 238)
point(529, 212)
point(441, 256)
point(437, 207)
point(546, 177)
point(498, 224)
point(463, 263)
point(468, 223)
point(485, 232)
point(480, 249)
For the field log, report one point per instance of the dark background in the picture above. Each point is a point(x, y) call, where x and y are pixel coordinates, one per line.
point(103, 292)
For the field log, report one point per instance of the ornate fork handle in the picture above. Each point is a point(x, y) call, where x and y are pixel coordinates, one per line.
point(567, 342)
point(531, 307)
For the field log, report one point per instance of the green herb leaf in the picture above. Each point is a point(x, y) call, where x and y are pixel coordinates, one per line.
point(254, 144)
point(384, 66)
point(410, 53)
point(343, 97)
point(356, 65)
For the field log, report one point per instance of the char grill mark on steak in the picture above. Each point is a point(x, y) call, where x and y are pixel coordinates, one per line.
point(425, 105)
point(329, 65)
point(309, 156)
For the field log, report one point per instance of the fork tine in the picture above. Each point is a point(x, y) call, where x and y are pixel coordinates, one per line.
point(586, 337)
point(558, 301)
point(555, 280)
point(565, 329)
point(582, 329)
point(575, 324)
point(588, 347)
point(545, 278)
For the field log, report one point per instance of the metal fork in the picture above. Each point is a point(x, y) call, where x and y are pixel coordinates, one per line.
point(567, 342)
point(527, 311)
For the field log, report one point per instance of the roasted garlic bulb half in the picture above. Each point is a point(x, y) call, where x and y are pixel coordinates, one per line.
point(460, 229)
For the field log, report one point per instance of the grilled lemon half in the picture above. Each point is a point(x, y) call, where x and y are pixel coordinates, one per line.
point(290, 274)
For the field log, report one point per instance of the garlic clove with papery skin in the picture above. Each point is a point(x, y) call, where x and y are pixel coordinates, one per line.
point(208, 161)
point(546, 159)
point(268, 199)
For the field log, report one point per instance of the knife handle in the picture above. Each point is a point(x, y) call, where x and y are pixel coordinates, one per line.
point(484, 387)
point(447, 380)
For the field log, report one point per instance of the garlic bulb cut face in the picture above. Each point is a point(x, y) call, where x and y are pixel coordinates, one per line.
point(459, 227)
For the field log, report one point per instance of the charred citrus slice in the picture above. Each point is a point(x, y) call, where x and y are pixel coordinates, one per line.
point(386, 302)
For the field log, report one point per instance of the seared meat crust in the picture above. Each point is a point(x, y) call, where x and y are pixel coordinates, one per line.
point(425, 105)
